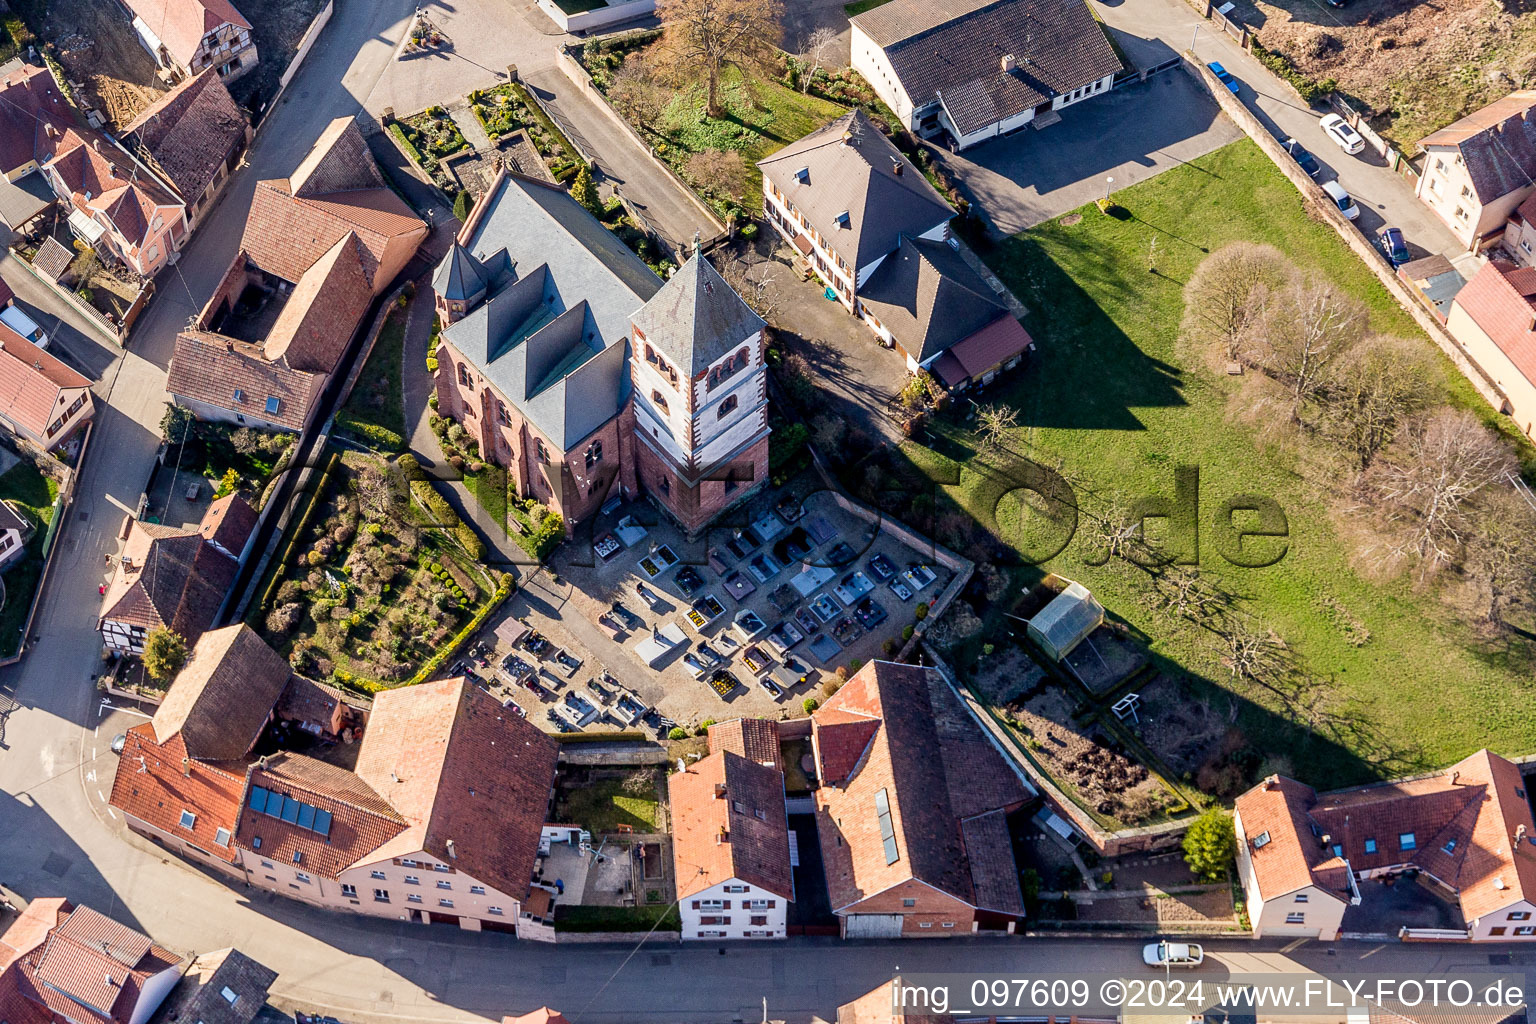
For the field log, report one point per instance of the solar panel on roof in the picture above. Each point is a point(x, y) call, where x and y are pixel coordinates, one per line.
point(323, 822)
point(887, 829)
point(306, 816)
point(258, 799)
point(290, 810)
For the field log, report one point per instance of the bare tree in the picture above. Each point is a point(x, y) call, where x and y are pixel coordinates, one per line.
point(753, 285)
point(1184, 592)
point(817, 52)
point(1376, 386)
point(1227, 291)
point(995, 423)
point(635, 91)
point(722, 173)
point(710, 36)
point(1255, 652)
point(1304, 331)
point(1114, 533)
point(1502, 558)
point(1428, 482)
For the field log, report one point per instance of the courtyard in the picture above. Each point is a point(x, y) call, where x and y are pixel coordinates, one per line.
point(752, 619)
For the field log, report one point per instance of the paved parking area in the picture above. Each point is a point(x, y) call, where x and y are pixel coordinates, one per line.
point(780, 597)
point(1132, 134)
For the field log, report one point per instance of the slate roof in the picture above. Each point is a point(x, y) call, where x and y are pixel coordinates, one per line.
point(1498, 144)
point(929, 297)
point(462, 770)
point(361, 820)
point(728, 822)
point(756, 739)
point(944, 782)
point(857, 176)
point(32, 382)
point(11, 520)
point(553, 335)
point(190, 133)
point(1463, 820)
point(209, 368)
point(173, 578)
point(173, 781)
point(182, 24)
point(198, 997)
point(696, 319)
point(221, 700)
point(459, 276)
point(1501, 299)
point(954, 52)
point(29, 97)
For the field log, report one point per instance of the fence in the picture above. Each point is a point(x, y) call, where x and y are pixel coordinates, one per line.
point(113, 332)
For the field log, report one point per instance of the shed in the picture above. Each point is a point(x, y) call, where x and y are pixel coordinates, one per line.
point(1064, 623)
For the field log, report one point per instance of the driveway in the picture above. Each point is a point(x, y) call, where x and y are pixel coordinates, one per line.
point(1130, 135)
point(1385, 908)
point(1383, 195)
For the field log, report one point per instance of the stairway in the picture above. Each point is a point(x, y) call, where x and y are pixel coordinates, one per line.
point(1046, 119)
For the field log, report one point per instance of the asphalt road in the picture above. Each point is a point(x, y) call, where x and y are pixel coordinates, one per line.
point(58, 837)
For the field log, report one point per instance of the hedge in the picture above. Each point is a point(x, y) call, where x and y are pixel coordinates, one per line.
point(578, 917)
point(280, 569)
point(406, 144)
point(381, 438)
point(602, 737)
point(437, 506)
point(537, 111)
point(431, 665)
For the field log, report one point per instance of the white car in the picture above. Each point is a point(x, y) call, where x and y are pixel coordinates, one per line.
point(1173, 954)
point(23, 325)
point(1341, 199)
point(1338, 129)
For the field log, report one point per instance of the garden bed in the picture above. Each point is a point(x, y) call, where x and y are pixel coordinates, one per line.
point(371, 588)
point(600, 800)
point(507, 108)
point(573, 917)
point(434, 134)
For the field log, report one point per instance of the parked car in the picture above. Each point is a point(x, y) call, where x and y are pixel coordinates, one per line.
point(1341, 199)
point(1224, 77)
point(1173, 954)
point(1338, 129)
point(23, 325)
point(119, 742)
point(1306, 160)
point(1394, 246)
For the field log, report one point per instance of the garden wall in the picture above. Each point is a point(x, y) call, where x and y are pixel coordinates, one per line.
point(1329, 214)
point(115, 333)
point(305, 45)
point(600, 17)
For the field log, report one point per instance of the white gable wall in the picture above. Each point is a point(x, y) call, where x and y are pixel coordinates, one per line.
point(750, 912)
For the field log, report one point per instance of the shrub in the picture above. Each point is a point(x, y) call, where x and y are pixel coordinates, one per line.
point(380, 438)
point(432, 365)
point(810, 704)
point(410, 468)
point(227, 483)
point(1210, 844)
point(398, 133)
point(921, 611)
point(165, 652)
point(749, 232)
point(854, 665)
point(471, 540)
point(906, 633)
point(437, 506)
point(677, 733)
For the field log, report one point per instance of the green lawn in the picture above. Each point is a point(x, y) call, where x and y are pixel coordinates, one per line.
point(862, 6)
point(375, 411)
point(1112, 396)
point(489, 486)
point(603, 805)
point(33, 495)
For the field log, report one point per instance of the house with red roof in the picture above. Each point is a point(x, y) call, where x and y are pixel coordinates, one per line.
point(435, 816)
point(730, 848)
point(186, 37)
point(41, 399)
point(1467, 832)
point(193, 136)
point(1494, 318)
point(318, 248)
point(29, 98)
point(912, 813)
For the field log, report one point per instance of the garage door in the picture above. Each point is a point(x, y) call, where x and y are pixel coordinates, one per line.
point(874, 926)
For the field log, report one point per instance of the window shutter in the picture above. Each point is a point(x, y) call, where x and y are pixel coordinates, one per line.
point(695, 904)
point(772, 904)
point(726, 905)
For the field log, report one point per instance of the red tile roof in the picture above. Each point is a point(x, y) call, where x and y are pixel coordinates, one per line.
point(728, 822)
point(182, 24)
point(171, 782)
point(210, 368)
point(220, 702)
point(29, 97)
point(940, 774)
point(102, 177)
point(472, 779)
point(35, 387)
point(228, 523)
point(543, 1015)
point(361, 820)
point(756, 739)
point(1501, 299)
point(1464, 824)
point(190, 133)
point(318, 320)
point(995, 343)
point(168, 577)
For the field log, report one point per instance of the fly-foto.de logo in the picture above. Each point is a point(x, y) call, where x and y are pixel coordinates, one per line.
point(1037, 511)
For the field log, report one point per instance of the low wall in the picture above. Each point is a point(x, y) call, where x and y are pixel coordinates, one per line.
point(306, 44)
point(117, 334)
point(600, 17)
point(1329, 214)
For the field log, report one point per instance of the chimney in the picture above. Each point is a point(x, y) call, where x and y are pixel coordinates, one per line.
point(723, 836)
point(453, 851)
point(1454, 776)
point(1271, 782)
point(49, 130)
point(186, 767)
point(719, 791)
point(1519, 835)
point(1326, 840)
point(848, 137)
point(229, 346)
point(1009, 63)
point(896, 168)
point(111, 169)
point(96, 145)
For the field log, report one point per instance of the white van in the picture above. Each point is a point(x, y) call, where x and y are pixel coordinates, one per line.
point(23, 325)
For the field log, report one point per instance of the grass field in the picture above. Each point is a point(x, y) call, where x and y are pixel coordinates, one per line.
point(375, 411)
point(33, 495)
point(603, 805)
point(1111, 396)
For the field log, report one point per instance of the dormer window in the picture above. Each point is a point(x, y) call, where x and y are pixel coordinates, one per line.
point(273, 404)
point(239, 395)
point(803, 175)
point(843, 220)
